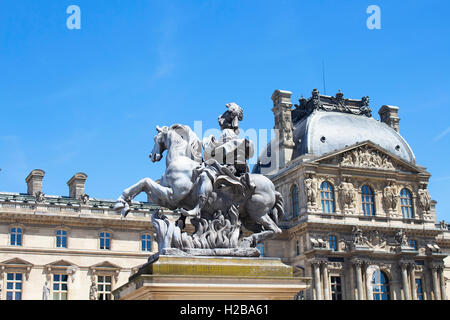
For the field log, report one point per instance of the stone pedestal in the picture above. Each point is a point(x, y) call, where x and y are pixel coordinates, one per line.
point(212, 278)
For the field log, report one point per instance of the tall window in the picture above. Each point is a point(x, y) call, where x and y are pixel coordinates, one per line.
point(380, 286)
point(297, 247)
point(332, 242)
point(327, 197)
point(419, 289)
point(60, 287)
point(406, 204)
point(61, 238)
point(368, 204)
point(104, 287)
point(413, 243)
point(336, 288)
point(294, 196)
point(16, 236)
point(14, 286)
point(105, 240)
point(146, 242)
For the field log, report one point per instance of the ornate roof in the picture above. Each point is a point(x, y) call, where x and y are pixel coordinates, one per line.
point(324, 124)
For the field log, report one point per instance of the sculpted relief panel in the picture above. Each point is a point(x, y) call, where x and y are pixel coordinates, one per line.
point(366, 157)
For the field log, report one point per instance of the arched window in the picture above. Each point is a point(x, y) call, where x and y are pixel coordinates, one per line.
point(380, 286)
point(327, 197)
point(406, 204)
point(294, 197)
point(368, 204)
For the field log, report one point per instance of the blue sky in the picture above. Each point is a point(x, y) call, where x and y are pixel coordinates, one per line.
point(88, 100)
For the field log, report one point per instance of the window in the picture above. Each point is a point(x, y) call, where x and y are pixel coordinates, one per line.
point(60, 287)
point(260, 247)
point(336, 288)
point(14, 286)
point(146, 242)
point(419, 289)
point(368, 205)
point(327, 197)
point(104, 287)
point(297, 247)
point(105, 241)
point(332, 243)
point(294, 196)
point(16, 236)
point(380, 286)
point(406, 204)
point(413, 243)
point(61, 238)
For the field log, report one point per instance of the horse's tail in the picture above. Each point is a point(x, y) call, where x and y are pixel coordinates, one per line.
point(277, 212)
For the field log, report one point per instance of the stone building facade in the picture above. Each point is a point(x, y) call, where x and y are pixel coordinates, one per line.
point(68, 247)
point(359, 218)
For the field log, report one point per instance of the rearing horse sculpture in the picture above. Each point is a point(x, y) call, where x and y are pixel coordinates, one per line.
point(179, 187)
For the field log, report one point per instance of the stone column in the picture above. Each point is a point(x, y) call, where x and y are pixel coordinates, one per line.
point(369, 293)
point(316, 267)
point(434, 270)
point(406, 290)
point(412, 280)
point(358, 264)
point(442, 282)
point(326, 290)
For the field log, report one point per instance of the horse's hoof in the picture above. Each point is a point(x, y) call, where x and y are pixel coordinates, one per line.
point(119, 206)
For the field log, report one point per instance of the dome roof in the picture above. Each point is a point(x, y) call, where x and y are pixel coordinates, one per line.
point(324, 124)
point(323, 132)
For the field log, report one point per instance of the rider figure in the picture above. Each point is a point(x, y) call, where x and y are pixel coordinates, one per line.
point(225, 160)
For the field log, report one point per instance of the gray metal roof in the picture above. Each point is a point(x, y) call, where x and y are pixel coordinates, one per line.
point(323, 132)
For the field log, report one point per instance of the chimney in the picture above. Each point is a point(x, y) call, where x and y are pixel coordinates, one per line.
point(389, 115)
point(283, 123)
point(34, 181)
point(76, 185)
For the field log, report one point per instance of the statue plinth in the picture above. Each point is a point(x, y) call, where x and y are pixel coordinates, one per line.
point(212, 278)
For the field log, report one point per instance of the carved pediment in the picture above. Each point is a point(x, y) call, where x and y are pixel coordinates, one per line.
point(368, 156)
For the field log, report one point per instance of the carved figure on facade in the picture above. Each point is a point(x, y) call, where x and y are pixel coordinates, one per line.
point(213, 188)
point(401, 238)
point(311, 188)
point(358, 238)
point(366, 157)
point(46, 291)
point(40, 197)
point(347, 195)
point(84, 199)
point(390, 198)
point(424, 199)
point(93, 291)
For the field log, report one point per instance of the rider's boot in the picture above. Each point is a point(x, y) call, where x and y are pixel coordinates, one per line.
point(196, 212)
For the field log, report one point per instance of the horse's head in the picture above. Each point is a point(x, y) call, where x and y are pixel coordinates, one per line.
point(160, 143)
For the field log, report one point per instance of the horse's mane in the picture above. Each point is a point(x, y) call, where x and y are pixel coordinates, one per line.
point(194, 145)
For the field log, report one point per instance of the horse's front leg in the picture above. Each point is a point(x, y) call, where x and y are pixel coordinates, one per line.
point(157, 193)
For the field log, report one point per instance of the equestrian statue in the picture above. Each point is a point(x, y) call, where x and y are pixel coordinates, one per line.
point(209, 182)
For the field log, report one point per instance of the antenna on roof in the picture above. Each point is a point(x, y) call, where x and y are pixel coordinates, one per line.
point(323, 76)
